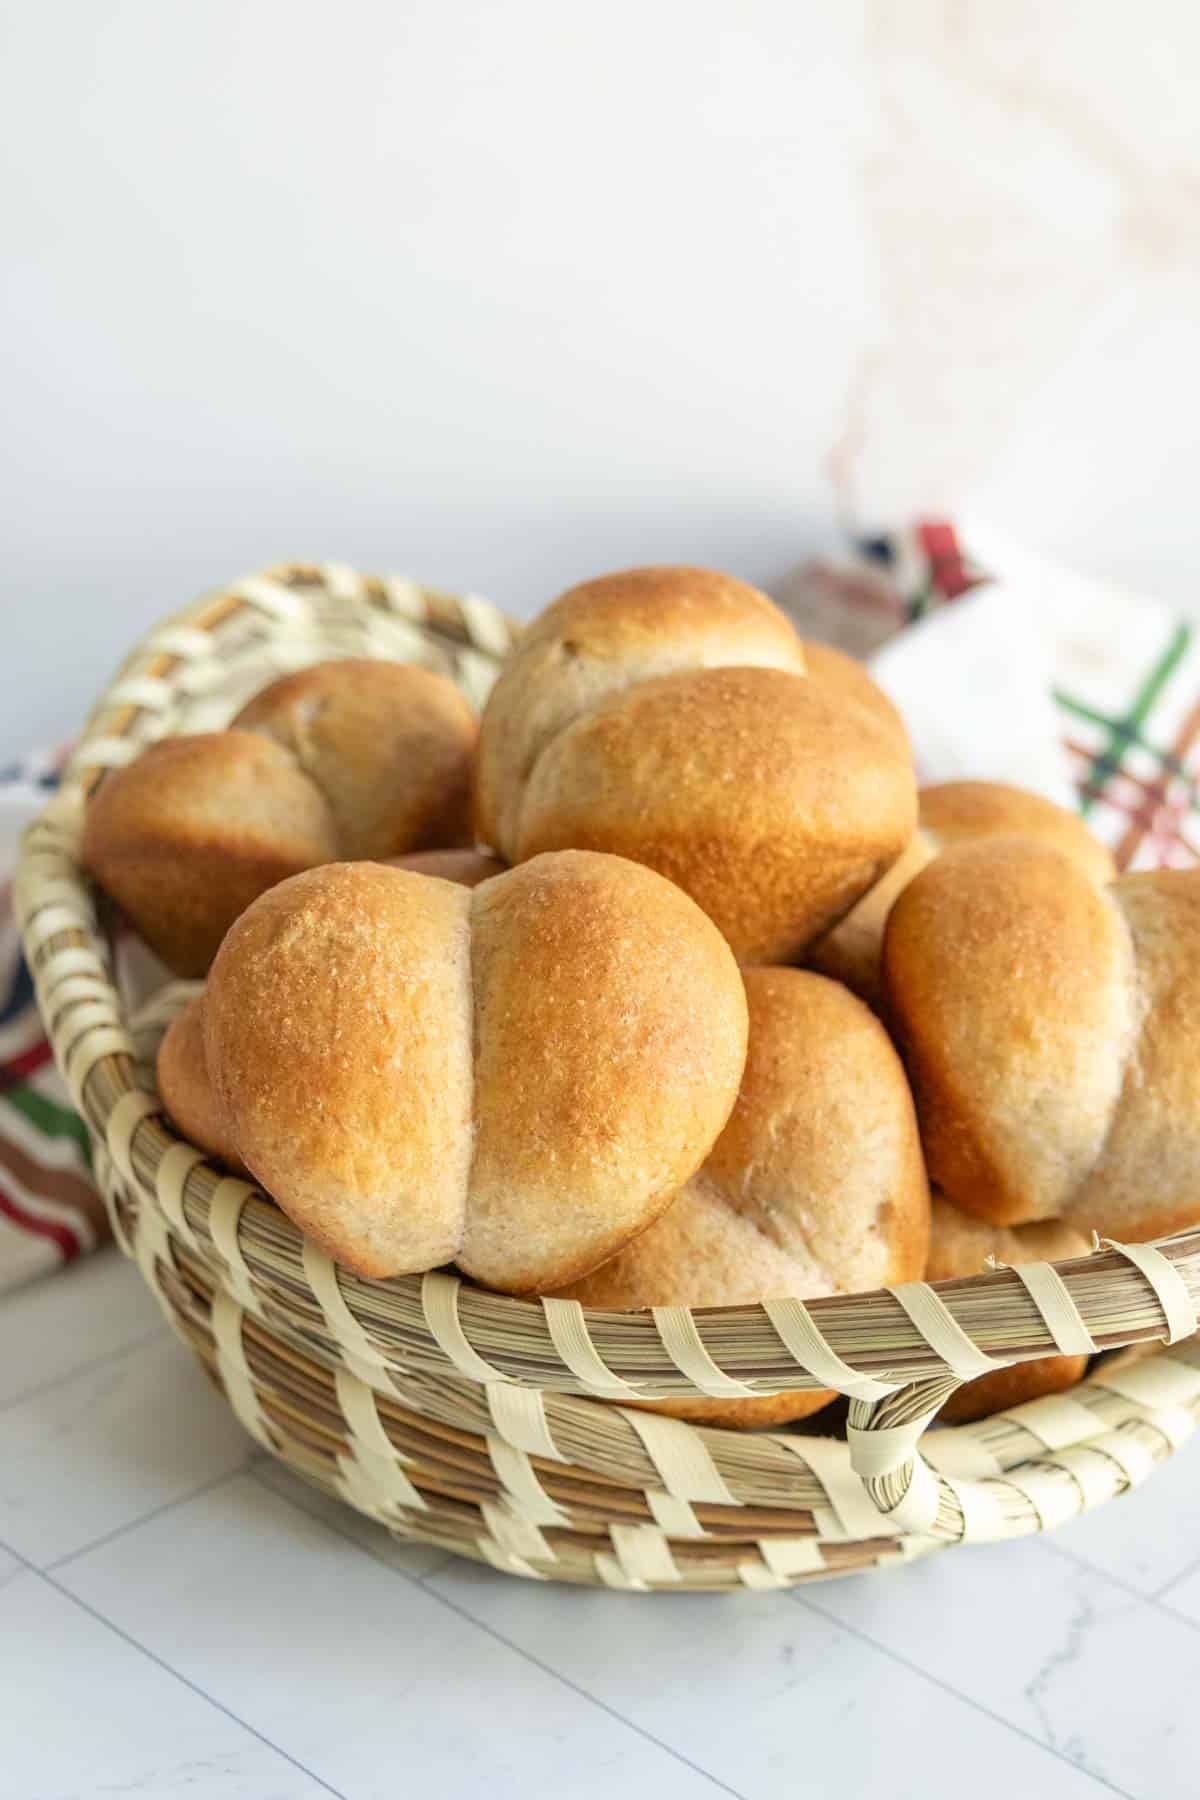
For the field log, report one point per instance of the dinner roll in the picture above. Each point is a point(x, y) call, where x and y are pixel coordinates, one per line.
point(960, 1245)
point(183, 1078)
point(1054, 1052)
point(185, 1087)
point(666, 715)
point(184, 837)
point(816, 1185)
point(389, 745)
point(952, 812)
point(957, 812)
point(838, 673)
point(346, 759)
point(599, 638)
point(517, 1077)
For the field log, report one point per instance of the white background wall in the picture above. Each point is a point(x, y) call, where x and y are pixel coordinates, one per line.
point(500, 295)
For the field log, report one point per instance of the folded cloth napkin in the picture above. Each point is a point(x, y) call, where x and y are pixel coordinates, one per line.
point(1034, 675)
point(1031, 675)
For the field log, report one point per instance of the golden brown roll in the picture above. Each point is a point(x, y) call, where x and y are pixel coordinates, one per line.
point(960, 1245)
point(517, 1077)
point(841, 674)
point(816, 1185)
point(1054, 1054)
point(666, 715)
point(187, 1092)
point(183, 1078)
point(601, 637)
point(187, 835)
point(958, 812)
point(389, 745)
point(952, 812)
point(352, 758)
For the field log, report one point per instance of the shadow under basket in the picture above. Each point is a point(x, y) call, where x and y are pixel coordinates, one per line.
point(501, 1428)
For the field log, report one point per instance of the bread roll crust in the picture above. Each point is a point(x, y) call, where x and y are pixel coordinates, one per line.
point(822, 1144)
point(949, 813)
point(849, 679)
point(518, 1077)
point(389, 745)
point(338, 1034)
point(770, 803)
point(1015, 1386)
point(355, 758)
point(1146, 1182)
point(816, 1185)
point(610, 1036)
point(184, 837)
point(596, 736)
point(599, 638)
point(1009, 977)
point(187, 1092)
point(956, 812)
point(1054, 1050)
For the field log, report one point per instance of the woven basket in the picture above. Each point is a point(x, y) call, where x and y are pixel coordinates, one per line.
point(494, 1426)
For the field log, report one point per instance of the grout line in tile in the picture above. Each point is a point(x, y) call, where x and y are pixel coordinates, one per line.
point(85, 1367)
point(1097, 1569)
point(499, 1638)
point(584, 1693)
point(803, 1598)
point(443, 1562)
point(1155, 1597)
point(128, 1638)
point(155, 1512)
point(262, 1460)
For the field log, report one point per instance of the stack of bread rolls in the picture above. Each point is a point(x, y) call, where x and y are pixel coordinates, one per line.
point(672, 716)
point(662, 986)
point(952, 812)
point(347, 759)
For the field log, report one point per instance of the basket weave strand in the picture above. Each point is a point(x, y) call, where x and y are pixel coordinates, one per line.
point(493, 1426)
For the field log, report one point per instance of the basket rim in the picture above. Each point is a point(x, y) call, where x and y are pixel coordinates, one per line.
point(867, 1345)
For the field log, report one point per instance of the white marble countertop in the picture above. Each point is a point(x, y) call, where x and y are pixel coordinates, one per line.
point(179, 1617)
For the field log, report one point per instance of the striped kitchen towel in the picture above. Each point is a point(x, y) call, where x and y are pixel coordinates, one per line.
point(1032, 675)
point(49, 1210)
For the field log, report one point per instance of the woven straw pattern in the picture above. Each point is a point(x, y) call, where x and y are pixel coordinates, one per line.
point(471, 1420)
